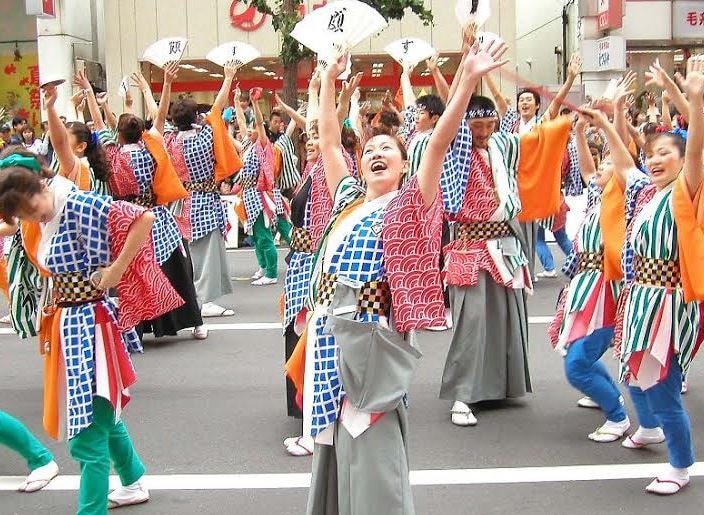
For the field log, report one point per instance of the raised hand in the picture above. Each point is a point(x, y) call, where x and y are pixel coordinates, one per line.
point(336, 67)
point(481, 61)
point(469, 36)
point(50, 95)
point(78, 98)
point(139, 81)
point(656, 75)
point(693, 85)
point(171, 72)
point(81, 80)
point(625, 88)
point(595, 116)
point(314, 84)
point(230, 70)
point(432, 63)
point(575, 66)
point(102, 99)
point(349, 87)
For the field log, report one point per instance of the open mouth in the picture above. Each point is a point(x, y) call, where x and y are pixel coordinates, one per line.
point(378, 166)
point(657, 171)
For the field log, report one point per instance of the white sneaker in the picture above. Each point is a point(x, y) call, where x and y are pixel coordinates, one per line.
point(545, 274)
point(39, 478)
point(265, 281)
point(258, 274)
point(587, 402)
point(462, 415)
point(128, 496)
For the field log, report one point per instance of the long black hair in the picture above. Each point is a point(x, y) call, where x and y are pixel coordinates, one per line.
point(94, 151)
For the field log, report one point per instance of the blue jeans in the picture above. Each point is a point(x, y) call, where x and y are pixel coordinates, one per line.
point(587, 374)
point(661, 406)
point(543, 251)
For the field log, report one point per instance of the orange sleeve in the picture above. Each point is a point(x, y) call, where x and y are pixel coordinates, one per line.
point(296, 365)
point(540, 169)
point(166, 185)
point(31, 234)
point(689, 217)
point(612, 219)
point(227, 160)
point(4, 286)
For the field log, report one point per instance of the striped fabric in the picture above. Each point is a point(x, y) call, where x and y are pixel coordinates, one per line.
point(416, 148)
point(290, 175)
point(25, 285)
point(656, 319)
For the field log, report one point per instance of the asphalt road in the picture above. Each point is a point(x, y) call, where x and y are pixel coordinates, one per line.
point(208, 419)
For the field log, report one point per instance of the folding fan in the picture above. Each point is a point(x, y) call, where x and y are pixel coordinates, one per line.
point(487, 38)
point(165, 50)
point(338, 27)
point(240, 53)
point(124, 86)
point(477, 11)
point(410, 51)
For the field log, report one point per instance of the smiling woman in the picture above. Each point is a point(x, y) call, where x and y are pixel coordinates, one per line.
point(375, 281)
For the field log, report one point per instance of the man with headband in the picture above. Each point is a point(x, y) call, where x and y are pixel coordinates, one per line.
point(486, 267)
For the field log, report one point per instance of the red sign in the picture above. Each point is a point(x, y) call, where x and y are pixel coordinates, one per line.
point(245, 18)
point(48, 8)
point(610, 14)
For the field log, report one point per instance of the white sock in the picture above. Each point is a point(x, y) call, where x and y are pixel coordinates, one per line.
point(460, 407)
point(675, 473)
point(617, 425)
point(644, 434)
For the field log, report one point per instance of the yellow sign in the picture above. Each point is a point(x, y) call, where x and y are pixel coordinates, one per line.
point(19, 88)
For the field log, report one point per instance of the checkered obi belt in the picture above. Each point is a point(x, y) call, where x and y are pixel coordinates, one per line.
point(146, 200)
point(374, 296)
point(74, 289)
point(590, 262)
point(301, 241)
point(249, 182)
point(662, 273)
point(207, 186)
point(482, 231)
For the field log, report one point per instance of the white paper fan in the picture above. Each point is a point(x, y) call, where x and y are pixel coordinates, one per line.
point(165, 50)
point(240, 53)
point(410, 51)
point(323, 64)
point(487, 38)
point(338, 27)
point(472, 10)
point(124, 86)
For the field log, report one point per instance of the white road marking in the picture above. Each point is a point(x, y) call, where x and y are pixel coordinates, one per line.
point(491, 476)
point(276, 326)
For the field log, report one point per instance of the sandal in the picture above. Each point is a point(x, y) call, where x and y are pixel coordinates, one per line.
point(296, 448)
point(666, 486)
point(630, 443)
point(210, 310)
point(610, 431)
point(463, 418)
point(200, 332)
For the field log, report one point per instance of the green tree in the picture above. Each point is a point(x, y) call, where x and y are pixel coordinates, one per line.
point(286, 13)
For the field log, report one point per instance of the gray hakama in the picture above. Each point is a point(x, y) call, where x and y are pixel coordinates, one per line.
point(488, 356)
point(529, 231)
point(210, 270)
point(372, 467)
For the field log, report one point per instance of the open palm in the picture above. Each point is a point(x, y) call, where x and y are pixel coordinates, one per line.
point(481, 61)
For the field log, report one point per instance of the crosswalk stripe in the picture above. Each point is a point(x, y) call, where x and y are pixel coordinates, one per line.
point(495, 476)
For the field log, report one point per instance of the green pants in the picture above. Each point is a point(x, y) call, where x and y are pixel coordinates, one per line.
point(264, 246)
point(17, 437)
point(94, 448)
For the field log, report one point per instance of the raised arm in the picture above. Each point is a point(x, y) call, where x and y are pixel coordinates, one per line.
point(150, 104)
point(666, 114)
point(259, 122)
point(78, 103)
point(573, 70)
point(586, 162)
point(313, 99)
point(621, 157)
point(625, 88)
point(239, 114)
point(170, 75)
point(409, 97)
point(441, 85)
point(329, 127)
point(477, 63)
point(221, 100)
point(81, 80)
point(59, 136)
point(499, 99)
point(348, 88)
point(110, 118)
point(693, 85)
point(295, 116)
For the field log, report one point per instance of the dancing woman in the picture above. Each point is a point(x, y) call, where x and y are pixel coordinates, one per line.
point(204, 157)
point(366, 284)
point(143, 174)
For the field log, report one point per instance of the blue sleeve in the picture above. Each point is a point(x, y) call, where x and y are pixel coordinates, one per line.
point(455, 170)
